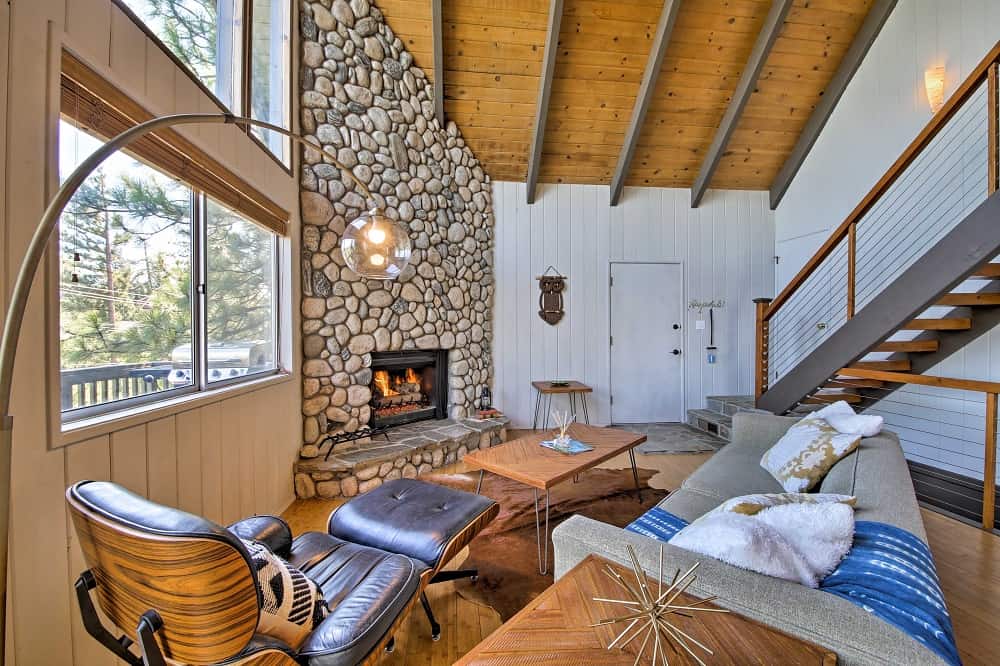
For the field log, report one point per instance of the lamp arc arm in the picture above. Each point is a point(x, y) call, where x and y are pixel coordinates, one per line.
point(50, 220)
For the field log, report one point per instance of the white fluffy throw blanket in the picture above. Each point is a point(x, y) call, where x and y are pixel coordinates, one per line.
point(802, 543)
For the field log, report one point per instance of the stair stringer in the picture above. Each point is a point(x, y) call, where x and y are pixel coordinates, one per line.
point(971, 243)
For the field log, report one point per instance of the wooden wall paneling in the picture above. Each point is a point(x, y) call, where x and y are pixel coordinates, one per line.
point(89, 460)
point(211, 462)
point(231, 447)
point(160, 83)
point(127, 54)
point(4, 47)
point(527, 312)
point(129, 459)
point(264, 455)
point(88, 28)
point(187, 99)
point(161, 462)
point(189, 475)
point(39, 599)
point(246, 437)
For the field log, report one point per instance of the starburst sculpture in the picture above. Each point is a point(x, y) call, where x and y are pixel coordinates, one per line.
point(649, 615)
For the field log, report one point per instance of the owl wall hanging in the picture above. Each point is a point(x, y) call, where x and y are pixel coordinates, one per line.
point(550, 300)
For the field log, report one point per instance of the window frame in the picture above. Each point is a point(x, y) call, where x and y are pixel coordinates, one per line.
point(97, 107)
point(242, 63)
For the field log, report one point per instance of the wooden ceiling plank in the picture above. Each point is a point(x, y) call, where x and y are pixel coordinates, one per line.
point(748, 81)
point(438, 38)
point(668, 17)
point(870, 29)
point(544, 90)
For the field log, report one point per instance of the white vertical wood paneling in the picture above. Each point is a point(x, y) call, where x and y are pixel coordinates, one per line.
point(883, 109)
point(166, 458)
point(725, 248)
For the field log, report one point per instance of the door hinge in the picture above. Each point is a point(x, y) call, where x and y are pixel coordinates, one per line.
point(611, 399)
point(611, 281)
point(612, 343)
point(777, 259)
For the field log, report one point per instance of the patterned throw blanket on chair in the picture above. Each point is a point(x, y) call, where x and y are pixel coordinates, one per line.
point(888, 572)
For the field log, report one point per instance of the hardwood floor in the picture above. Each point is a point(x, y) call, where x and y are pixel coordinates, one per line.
point(968, 563)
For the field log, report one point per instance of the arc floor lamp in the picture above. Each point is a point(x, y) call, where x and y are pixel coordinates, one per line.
point(369, 232)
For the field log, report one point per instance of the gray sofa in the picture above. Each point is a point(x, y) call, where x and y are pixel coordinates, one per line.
point(876, 473)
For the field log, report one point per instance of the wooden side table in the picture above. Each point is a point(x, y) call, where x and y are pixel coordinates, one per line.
point(570, 388)
point(556, 628)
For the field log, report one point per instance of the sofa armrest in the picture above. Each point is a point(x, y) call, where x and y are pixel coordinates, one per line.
point(857, 636)
point(271, 531)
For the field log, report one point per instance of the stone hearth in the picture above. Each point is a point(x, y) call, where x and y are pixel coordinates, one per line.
point(411, 450)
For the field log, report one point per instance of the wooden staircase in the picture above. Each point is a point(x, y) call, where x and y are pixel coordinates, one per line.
point(863, 392)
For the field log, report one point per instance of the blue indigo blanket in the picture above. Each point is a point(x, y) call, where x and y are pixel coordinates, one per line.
point(888, 572)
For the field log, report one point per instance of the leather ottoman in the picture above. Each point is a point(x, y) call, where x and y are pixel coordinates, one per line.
point(424, 521)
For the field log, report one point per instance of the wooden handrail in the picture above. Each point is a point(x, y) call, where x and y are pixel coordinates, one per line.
point(923, 380)
point(991, 389)
point(954, 103)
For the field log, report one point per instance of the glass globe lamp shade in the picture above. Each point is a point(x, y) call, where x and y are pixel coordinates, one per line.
point(376, 247)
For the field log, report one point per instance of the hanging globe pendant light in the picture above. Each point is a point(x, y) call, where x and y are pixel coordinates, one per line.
point(375, 246)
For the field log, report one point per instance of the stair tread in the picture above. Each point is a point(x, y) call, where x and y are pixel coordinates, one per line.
point(943, 324)
point(972, 299)
point(882, 365)
point(826, 398)
point(854, 382)
point(987, 271)
point(908, 346)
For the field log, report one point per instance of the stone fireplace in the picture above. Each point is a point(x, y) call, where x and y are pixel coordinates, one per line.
point(409, 386)
point(364, 98)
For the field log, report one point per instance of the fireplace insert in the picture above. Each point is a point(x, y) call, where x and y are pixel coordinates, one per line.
point(409, 386)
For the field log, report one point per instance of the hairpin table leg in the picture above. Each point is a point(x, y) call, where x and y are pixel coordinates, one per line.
point(586, 416)
point(635, 472)
point(479, 484)
point(538, 404)
point(543, 559)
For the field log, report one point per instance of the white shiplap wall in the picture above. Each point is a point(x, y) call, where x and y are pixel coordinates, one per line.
point(884, 108)
point(224, 459)
point(726, 248)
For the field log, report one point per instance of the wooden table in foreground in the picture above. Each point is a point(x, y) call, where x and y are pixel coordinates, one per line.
point(527, 461)
point(555, 629)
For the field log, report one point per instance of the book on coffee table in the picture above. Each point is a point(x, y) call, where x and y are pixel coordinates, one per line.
point(572, 447)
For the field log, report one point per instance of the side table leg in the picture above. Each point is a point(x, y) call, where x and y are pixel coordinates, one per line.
point(572, 405)
point(548, 410)
point(543, 558)
point(479, 484)
point(635, 472)
point(538, 403)
point(586, 416)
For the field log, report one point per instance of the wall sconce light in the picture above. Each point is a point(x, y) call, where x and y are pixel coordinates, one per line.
point(934, 83)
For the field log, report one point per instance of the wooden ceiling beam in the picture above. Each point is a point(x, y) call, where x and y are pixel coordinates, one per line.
point(876, 18)
point(668, 17)
point(437, 29)
point(544, 91)
point(769, 32)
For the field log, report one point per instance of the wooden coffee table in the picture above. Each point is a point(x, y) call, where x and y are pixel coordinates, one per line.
point(554, 628)
point(527, 461)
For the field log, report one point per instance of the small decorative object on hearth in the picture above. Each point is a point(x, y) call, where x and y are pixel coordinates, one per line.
point(485, 399)
point(550, 301)
point(648, 615)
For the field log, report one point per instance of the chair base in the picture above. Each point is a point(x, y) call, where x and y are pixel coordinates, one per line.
point(444, 577)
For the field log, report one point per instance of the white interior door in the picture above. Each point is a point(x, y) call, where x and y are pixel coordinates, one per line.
point(647, 354)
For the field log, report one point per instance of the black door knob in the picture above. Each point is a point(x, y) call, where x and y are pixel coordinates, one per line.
point(676, 352)
point(676, 326)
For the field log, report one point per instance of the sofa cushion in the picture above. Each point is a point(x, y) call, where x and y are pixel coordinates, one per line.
point(365, 588)
point(689, 504)
point(734, 470)
point(804, 455)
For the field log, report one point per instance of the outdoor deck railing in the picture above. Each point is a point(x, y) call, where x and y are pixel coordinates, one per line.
point(84, 387)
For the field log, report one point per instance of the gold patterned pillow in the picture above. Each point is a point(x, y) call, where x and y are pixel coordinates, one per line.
point(751, 505)
point(801, 458)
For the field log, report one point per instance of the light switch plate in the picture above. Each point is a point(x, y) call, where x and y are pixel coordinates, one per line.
point(700, 325)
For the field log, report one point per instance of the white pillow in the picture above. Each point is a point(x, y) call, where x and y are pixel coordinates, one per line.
point(803, 456)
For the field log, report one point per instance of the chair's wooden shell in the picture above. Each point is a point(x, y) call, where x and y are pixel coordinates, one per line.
point(202, 587)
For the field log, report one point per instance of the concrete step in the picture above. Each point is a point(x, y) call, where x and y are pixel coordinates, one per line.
point(712, 422)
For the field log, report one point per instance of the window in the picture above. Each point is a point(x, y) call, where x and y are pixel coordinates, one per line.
point(248, 70)
point(203, 35)
point(269, 67)
point(134, 245)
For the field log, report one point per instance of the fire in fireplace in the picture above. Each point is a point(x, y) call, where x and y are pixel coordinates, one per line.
point(409, 386)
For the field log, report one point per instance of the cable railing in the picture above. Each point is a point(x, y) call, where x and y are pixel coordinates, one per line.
point(945, 172)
